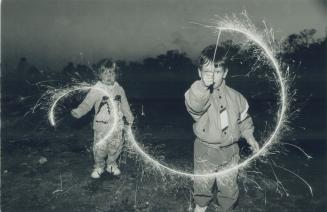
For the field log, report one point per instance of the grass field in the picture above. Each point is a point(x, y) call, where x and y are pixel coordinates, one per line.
point(63, 183)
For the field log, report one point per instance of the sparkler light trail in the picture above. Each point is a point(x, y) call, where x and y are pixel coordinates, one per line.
point(66, 92)
point(264, 41)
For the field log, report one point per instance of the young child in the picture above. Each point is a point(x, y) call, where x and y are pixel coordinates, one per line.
point(104, 117)
point(221, 118)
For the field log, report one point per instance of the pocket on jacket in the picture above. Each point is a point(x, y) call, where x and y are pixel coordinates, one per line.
point(202, 126)
point(200, 150)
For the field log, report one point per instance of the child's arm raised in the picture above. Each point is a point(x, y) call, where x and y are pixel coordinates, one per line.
point(197, 99)
point(86, 105)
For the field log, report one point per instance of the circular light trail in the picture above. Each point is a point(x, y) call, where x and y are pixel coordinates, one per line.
point(224, 172)
point(281, 115)
point(51, 114)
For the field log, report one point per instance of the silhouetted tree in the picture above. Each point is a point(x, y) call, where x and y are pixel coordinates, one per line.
point(28, 72)
point(80, 73)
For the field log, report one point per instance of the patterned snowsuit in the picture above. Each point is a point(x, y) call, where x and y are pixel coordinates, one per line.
point(103, 121)
point(220, 119)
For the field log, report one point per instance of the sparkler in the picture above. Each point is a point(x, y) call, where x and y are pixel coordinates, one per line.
point(264, 41)
point(66, 92)
point(267, 54)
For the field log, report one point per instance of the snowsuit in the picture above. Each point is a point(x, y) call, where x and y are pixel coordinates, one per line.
point(103, 121)
point(220, 120)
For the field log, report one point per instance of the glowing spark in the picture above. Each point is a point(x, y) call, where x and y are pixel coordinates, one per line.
point(214, 54)
point(310, 188)
point(278, 182)
point(257, 184)
point(59, 190)
point(142, 113)
point(299, 148)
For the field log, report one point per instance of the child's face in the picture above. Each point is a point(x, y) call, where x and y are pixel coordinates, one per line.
point(108, 76)
point(214, 71)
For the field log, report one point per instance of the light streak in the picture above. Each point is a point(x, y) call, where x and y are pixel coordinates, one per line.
point(278, 182)
point(51, 114)
point(235, 26)
point(264, 42)
point(217, 42)
point(304, 181)
point(299, 148)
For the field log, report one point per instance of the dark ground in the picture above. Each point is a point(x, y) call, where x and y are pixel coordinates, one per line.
point(28, 185)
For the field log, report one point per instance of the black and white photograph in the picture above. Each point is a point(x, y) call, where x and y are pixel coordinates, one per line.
point(163, 105)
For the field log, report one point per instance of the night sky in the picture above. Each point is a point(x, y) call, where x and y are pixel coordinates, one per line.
point(52, 32)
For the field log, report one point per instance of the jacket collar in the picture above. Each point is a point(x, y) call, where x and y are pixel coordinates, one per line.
point(222, 87)
point(101, 84)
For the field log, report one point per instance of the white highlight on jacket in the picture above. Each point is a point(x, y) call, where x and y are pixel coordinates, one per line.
point(244, 114)
point(223, 119)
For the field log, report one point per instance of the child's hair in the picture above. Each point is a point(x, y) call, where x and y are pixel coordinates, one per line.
point(105, 64)
point(208, 55)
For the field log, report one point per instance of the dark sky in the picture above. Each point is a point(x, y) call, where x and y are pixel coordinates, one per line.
point(55, 31)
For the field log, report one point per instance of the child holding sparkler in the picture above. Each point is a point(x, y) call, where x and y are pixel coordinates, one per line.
point(221, 118)
point(104, 118)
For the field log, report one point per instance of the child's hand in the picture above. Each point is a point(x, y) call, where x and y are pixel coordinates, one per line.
point(254, 145)
point(207, 78)
point(74, 113)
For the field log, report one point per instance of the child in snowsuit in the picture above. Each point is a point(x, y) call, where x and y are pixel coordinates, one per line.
point(221, 118)
point(104, 118)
